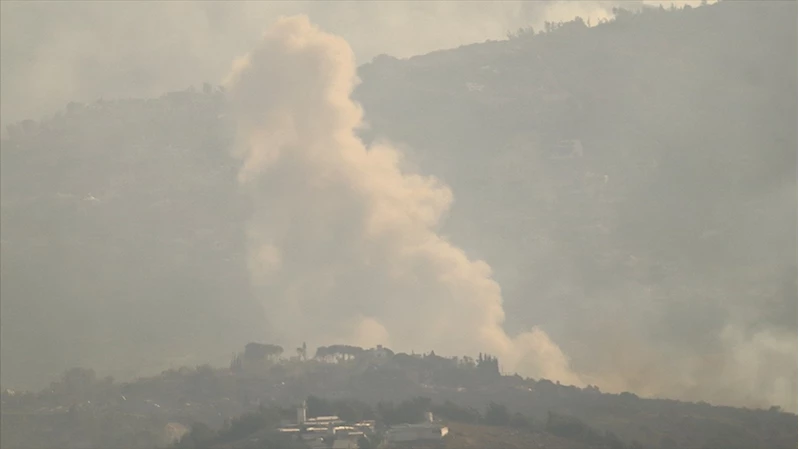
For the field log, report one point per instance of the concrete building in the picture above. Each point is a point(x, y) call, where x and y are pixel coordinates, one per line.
point(326, 432)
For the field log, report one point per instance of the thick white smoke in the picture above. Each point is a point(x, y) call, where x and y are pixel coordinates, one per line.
point(344, 242)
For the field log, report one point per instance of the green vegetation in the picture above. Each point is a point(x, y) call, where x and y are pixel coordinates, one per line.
point(249, 403)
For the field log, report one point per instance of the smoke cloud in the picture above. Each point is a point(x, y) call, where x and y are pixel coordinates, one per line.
point(344, 240)
point(57, 52)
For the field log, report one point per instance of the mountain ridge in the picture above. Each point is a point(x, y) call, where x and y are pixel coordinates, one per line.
point(567, 236)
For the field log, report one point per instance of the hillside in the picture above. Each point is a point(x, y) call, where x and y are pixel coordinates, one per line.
point(482, 407)
point(632, 185)
point(470, 436)
point(645, 184)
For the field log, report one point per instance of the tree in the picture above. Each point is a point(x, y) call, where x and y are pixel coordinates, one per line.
point(621, 13)
point(340, 352)
point(488, 364)
point(497, 415)
point(236, 365)
point(260, 351)
point(524, 32)
point(302, 352)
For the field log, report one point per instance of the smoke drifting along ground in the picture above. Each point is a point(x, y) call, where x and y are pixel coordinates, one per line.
point(344, 242)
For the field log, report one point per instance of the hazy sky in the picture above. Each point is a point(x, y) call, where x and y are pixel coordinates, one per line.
point(54, 52)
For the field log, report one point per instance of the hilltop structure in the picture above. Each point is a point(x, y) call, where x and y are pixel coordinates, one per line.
point(327, 432)
point(332, 432)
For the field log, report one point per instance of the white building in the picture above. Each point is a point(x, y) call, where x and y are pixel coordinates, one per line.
point(326, 432)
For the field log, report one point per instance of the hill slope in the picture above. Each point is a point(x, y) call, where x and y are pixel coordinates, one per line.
point(633, 186)
point(483, 408)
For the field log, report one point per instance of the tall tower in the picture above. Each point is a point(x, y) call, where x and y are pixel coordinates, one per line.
point(302, 414)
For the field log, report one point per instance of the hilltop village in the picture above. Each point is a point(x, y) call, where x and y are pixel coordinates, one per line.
point(347, 397)
point(323, 432)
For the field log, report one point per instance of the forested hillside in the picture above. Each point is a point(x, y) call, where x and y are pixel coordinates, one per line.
point(483, 408)
point(632, 184)
point(716, 124)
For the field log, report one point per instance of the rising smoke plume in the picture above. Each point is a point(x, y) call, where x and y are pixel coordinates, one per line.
point(57, 52)
point(344, 242)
